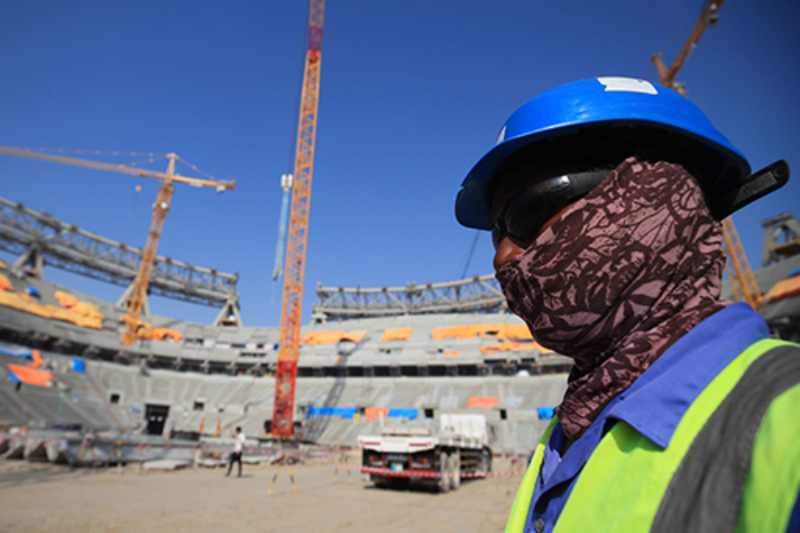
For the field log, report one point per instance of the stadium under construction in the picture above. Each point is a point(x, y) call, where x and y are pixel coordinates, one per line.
point(408, 353)
point(89, 380)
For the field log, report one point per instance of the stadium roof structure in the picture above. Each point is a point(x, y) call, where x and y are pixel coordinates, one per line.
point(36, 236)
point(480, 294)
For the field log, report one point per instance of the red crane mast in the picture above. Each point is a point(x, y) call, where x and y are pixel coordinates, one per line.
point(289, 341)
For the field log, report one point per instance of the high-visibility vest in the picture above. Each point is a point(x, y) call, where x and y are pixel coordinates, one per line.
point(733, 463)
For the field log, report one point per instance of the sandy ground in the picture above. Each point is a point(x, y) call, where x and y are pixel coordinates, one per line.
point(46, 497)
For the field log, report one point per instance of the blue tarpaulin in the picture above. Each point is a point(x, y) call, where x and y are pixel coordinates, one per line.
point(13, 350)
point(350, 412)
point(78, 365)
point(344, 412)
point(546, 413)
point(411, 414)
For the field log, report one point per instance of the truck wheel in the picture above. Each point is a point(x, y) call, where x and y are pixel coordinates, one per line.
point(485, 462)
point(444, 467)
point(455, 470)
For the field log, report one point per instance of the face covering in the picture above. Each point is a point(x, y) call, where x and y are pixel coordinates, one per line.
point(620, 276)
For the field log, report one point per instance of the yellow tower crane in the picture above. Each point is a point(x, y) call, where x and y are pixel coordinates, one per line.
point(160, 209)
point(743, 283)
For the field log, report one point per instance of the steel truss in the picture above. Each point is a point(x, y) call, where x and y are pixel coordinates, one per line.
point(781, 239)
point(480, 294)
point(38, 237)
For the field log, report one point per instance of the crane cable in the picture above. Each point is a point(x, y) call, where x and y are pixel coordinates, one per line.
point(471, 253)
point(675, 39)
point(193, 167)
point(680, 34)
point(149, 157)
point(115, 153)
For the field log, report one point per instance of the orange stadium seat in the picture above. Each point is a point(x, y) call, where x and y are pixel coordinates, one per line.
point(65, 299)
point(513, 346)
point(396, 334)
point(783, 289)
point(495, 331)
point(31, 376)
point(160, 334)
point(482, 401)
point(36, 355)
point(313, 338)
point(5, 285)
point(376, 412)
point(83, 314)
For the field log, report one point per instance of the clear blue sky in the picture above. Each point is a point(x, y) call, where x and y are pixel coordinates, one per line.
point(412, 94)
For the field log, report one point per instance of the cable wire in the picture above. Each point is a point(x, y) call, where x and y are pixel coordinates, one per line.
point(471, 253)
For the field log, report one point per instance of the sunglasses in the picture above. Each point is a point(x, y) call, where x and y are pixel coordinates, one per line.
point(528, 210)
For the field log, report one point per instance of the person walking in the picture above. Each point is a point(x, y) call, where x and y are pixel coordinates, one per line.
point(236, 455)
point(604, 199)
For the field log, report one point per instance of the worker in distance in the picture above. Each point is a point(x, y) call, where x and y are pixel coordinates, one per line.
point(604, 199)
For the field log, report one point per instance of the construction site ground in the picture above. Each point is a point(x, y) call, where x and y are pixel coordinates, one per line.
point(47, 497)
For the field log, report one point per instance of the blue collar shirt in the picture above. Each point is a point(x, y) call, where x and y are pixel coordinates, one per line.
point(653, 405)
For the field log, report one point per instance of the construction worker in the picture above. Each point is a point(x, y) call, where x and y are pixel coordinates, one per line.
point(604, 198)
point(238, 449)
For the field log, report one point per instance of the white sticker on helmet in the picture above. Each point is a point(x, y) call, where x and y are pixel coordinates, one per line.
point(628, 85)
point(502, 136)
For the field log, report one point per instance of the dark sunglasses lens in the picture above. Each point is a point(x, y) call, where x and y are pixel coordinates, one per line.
point(529, 210)
point(526, 213)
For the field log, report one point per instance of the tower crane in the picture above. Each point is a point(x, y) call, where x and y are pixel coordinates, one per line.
point(743, 283)
point(294, 273)
point(708, 19)
point(160, 209)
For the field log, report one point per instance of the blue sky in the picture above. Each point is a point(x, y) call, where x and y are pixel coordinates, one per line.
point(413, 93)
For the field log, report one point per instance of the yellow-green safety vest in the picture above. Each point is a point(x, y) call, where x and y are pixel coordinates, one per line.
point(631, 485)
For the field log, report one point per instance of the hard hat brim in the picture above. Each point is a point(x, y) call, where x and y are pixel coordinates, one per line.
point(584, 104)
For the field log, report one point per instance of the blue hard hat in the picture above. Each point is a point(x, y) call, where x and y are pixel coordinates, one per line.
point(598, 102)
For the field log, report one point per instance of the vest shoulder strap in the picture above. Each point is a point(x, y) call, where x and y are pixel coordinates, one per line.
point(628, 472)
point(519, 511)
point(705, 494)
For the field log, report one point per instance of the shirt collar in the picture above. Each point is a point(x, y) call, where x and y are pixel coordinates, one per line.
point(658, 399)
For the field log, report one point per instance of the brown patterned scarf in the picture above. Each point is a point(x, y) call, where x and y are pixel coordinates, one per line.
point(619, 277)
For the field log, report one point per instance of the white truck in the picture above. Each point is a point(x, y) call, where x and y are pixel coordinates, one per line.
point(400, 453)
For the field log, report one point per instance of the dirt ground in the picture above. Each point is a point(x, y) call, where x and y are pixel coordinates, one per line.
point(46, 497)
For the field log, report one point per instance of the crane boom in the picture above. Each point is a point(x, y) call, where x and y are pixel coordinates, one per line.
point(289, 339)
point(743, 282)
point(122, 169)
point(708, 18)
point(139, 293)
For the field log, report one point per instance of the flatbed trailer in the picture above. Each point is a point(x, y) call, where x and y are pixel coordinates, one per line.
point(399, 454)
